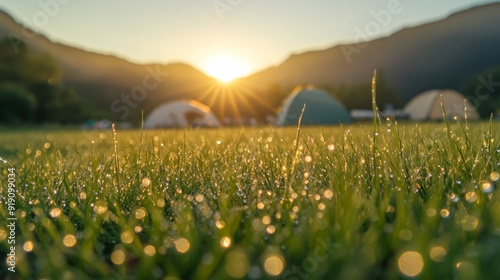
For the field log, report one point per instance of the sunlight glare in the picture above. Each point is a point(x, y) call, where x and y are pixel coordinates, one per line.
point(225, 68)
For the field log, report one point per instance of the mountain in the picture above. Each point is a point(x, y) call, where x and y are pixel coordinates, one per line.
point(110, 83)
point(441, 54)
point(435, 55)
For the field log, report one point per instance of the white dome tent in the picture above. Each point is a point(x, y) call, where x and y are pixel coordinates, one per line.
point(427, 106)
point(181, 113)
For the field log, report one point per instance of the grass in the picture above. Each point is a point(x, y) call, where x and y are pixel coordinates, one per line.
point(328, 203)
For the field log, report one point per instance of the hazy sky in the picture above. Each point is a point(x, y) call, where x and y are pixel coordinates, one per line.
point(258, 33)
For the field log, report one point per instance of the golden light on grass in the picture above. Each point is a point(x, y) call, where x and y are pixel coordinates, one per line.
point(149, 250)
point(146, 182)
point(487, 187)
point(220, 224)
point(140, 213)
point(182, 245)
point(225, 242)
point(55, 212)
point(437, 253)
point(470, 223)
point(445, 213)
point(69, 240)
point(28, 246)
point(274, 265)
point(237, 264)
point(118, 257)
point(199, 198)
point(271, 229)
point(411, 263)
point(100, 207)
point(328, 194)
point(471, 197)
point(494, 176)
point(160, 203)
point(83, 196)
point(127, 237)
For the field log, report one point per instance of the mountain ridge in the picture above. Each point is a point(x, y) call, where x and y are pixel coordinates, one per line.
point(439, 54)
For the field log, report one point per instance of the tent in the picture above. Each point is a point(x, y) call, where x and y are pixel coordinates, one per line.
point(427, 106)
point(321, 108)
point(181, 113)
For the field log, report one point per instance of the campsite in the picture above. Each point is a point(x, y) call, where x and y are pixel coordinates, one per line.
point(250, 140)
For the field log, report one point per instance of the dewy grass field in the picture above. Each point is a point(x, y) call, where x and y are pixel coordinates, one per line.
point(255, 203)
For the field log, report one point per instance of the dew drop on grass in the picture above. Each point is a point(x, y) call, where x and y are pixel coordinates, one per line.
point(140, 213)
point(487, 187)
point(236, 264)
point(494, 176)
point(453, 197)
point(470, 223)
point(28, 246)
point(55, 212)
point(149, 250)
point(83, 196)
point(100, 207)
point(225, 242)
point(274, 264)
point(160, 203)
point(146, 182)
point(3, 234)
point(437, 253)
point(445, 213)
point(431, 212)
point(271, 229)
point(220, 224)
point(182, 245)
point(466, 270)
point(199, 198)
point(411, 263)
point(328, 194)
point(471, 197)
point(127, 237)
point(69, 240)
point(406, 235)
point(118, 257)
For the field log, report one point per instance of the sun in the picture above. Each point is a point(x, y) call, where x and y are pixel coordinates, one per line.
point(225, 68)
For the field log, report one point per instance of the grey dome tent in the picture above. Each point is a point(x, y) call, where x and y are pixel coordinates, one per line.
point(321, 108)
point(181, 113)
point(427, 106)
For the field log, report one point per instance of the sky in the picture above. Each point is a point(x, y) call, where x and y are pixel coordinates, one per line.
point(243, 35)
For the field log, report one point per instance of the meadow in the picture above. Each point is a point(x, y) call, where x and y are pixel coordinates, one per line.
point(384, 201)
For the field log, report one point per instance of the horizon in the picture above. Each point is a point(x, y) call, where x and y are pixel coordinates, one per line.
point(223, 57)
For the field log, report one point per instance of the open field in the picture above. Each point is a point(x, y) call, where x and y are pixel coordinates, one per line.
point(341, 203)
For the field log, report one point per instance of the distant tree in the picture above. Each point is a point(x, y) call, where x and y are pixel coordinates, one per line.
point(40, 78)
point(358, 96)
point(483, 91)
point(17, 104)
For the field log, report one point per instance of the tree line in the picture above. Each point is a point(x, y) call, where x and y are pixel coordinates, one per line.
point(32, 91)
